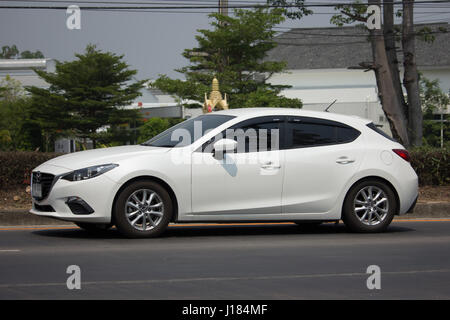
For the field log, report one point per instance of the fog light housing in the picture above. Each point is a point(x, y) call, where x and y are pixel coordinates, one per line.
point(78, 206)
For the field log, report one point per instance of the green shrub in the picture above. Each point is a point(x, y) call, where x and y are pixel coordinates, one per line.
point(432, 165)
point(16, 166)
point(155, 126)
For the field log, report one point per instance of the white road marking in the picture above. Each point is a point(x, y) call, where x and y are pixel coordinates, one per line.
point(10, 250)
point(181, 280)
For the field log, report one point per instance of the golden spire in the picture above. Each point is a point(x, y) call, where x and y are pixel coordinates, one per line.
point(215, 100)
point(215, 84)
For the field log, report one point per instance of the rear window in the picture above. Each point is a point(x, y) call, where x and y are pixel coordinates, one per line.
point(379, 131)
point(311, 132)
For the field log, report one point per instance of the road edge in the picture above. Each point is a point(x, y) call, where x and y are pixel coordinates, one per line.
point(19, 217)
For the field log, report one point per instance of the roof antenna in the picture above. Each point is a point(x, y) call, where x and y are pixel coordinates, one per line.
point(329, 106)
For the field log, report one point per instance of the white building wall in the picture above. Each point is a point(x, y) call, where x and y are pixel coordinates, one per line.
point(443, 74)
point(354, 90)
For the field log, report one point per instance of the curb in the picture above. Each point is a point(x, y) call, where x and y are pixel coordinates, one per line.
point(19, 217)
point(430, 210)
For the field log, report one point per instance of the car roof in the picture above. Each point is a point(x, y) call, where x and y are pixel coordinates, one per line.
point(255, 112)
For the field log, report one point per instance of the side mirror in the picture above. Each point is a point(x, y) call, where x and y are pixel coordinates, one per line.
point(222, 146)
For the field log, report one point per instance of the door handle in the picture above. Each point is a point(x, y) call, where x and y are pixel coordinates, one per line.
point(344, 160)
point(270, 165)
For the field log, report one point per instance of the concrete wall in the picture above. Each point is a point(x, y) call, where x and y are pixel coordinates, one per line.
point(355, 90)
point(443, 74)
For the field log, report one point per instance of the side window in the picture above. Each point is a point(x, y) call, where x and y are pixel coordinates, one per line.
point(310, 132)
point(254, 135)
point(346, 134)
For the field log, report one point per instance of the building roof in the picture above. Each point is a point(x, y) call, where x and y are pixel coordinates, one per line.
point(22, 70)
point(329, 48)
point(18, 64)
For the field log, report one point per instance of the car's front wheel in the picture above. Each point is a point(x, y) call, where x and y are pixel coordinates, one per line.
point(143, 209)
point(369, 206)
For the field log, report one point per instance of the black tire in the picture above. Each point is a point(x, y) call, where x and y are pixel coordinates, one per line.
point(120, 214)
point(350, 215)
point(94, 227)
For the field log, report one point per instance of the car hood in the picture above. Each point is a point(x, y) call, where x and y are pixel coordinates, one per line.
point(83, 159)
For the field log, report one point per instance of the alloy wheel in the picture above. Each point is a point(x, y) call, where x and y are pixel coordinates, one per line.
point(144, 209)
point(371, 205)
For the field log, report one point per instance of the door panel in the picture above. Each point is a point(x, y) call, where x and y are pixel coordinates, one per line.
point(314, 179)
point(248, 181)
point(321, 157)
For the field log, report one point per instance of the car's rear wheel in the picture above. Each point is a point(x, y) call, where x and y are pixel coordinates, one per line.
point(94, 227)
point(143, 209)
point(369, 206)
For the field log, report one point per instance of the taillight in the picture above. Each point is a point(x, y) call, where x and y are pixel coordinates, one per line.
point(403, 154)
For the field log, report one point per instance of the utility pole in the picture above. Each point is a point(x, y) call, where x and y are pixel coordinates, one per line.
point(223, 10)
point(223, 7)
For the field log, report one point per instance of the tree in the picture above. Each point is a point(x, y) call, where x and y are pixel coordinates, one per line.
point(11, 52)
point(434, 100)
point(411, 75)
point(31, 55)
point(16, 130)
point(85, 95)
point(152, 127)
point(404, 116)
point(233, 51)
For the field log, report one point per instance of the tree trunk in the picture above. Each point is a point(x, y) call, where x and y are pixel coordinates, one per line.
point(411, 76)
point(391, 50)
point(389, 98)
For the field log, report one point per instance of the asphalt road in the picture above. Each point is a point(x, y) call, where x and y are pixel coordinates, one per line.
point(229, 262)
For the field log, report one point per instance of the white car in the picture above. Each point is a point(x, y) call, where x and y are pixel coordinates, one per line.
point(276, 165)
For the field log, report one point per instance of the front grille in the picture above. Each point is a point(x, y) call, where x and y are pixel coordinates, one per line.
point(46, 181)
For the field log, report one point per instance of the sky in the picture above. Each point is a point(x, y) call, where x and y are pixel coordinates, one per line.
point(151, 42)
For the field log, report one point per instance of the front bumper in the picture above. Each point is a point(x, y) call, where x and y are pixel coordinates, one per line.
point(67, 199)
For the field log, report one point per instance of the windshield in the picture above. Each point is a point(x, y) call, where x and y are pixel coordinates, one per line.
point(187, 132)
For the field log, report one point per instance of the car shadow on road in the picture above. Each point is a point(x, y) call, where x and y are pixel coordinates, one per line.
point(264, 230)
point(175, 231)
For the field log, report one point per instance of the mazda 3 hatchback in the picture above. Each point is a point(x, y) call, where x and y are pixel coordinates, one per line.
point(237, 165)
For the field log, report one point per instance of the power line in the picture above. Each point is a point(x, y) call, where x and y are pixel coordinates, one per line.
point(320, 43)
point(152, 6)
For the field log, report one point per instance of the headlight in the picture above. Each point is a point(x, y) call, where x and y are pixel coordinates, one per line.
point(90, 172)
